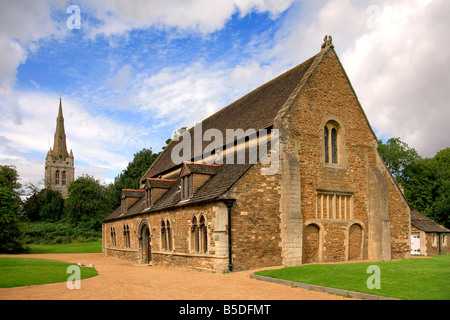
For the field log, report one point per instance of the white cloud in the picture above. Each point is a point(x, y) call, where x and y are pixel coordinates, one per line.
point(100, 144)
point(22, 25)
point(198, 16)
point(395, 54)
point(396, 58)
point(399, 70)
point(184, 94)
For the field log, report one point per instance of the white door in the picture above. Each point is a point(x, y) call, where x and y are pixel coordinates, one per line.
point(415, 243)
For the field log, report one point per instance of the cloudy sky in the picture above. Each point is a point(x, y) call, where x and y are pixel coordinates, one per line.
point(132, 72)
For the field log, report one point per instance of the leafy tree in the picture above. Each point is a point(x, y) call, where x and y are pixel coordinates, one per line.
point(129, 178)
point(52, 208)
point(427, 186)
point(426, 181)
point(33, 203)
point(45, 205)
point(9, 177)
point(87, 203)
point(10, 235)
point(397, 155)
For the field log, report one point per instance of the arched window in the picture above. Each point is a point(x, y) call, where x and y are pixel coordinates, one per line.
point(203, 235)
point(334, 147)
point(64, 178)
point(113, 237)
point(169, 236)
point(332, 142)
point(57, 177)
point(126, 236)
point(194, 236)
point(163, 236)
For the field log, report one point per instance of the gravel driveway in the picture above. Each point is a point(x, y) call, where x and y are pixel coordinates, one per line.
point(122, 280)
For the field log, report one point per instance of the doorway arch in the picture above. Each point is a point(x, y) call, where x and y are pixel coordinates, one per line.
point(355, 245)
point(145, 242)
point(312, 243)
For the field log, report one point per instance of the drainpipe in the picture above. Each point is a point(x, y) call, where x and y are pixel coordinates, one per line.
point(229, 203)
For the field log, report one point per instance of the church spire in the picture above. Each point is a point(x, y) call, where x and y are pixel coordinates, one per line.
point(59, 144)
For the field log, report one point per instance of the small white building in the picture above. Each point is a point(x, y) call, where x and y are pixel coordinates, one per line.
point(428, 238)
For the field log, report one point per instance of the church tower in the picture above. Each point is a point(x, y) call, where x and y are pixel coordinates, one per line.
point(59, 164)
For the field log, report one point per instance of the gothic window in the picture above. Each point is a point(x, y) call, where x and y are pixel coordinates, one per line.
point(166, 236)
point(334, 147)
point(64, 178)
point(203, 235)
point(332, 141)
point(169, 236)
point(163, 236)
point(126, 236)
point(113, 237)
point(194, 236)
point(57, 177)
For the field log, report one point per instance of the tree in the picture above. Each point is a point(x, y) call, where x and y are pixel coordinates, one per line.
point(10, 235)
point(129, 178)
point(52, 208)
point(9, 177)
point(44, 205)
point(397, 155)
point(87, 203)
point(427, 186)
point(33, 203)
point(426, 181)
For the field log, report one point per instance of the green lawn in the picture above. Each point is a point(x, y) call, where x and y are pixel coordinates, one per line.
point(409, 279)
point(85, 247)
point(16, 272)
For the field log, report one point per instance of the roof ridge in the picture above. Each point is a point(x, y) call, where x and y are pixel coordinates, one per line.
point(203, 163)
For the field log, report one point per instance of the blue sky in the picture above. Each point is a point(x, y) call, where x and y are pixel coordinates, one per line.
point(136, 71)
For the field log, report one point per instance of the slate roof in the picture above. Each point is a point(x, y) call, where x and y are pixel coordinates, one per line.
point(226, 175)
point(256, 110)
point(132, 193)
point(209, 169)
point(160, 183)
point(426, 224)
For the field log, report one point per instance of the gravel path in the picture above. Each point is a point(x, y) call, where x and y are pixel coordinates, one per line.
point(122, 280)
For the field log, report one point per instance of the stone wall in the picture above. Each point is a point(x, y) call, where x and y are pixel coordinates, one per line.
point(182, 254)
point(380, 211)
point(256, 240)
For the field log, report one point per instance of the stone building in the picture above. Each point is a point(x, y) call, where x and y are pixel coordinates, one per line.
point(428, 238)
point(317, 192)
point(59, 164)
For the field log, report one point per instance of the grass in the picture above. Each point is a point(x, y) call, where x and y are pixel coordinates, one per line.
point(16, 272)
point(85, 247)
point(409, 279)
